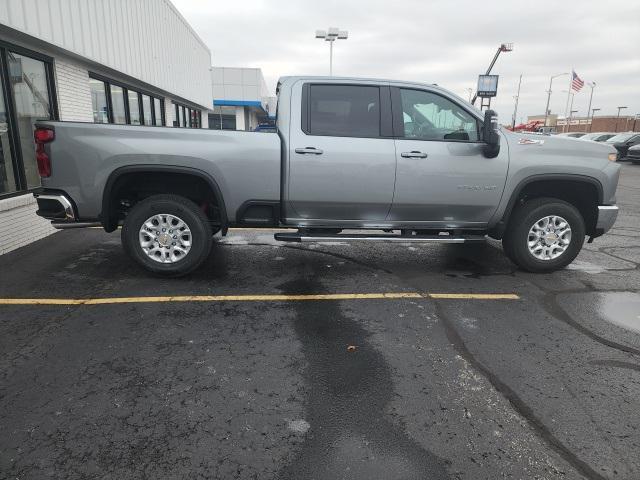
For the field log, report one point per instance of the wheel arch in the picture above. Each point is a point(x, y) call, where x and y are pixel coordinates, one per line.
point(555, 185)
point(109, 220)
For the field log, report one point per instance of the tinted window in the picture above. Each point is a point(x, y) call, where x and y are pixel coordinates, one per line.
point(428, 116)
point(344, 110)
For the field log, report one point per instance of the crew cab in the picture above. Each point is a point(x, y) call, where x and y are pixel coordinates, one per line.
point(352, 160)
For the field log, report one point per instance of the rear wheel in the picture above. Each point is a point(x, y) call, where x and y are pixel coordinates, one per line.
point(544, 235)
point(167, 235)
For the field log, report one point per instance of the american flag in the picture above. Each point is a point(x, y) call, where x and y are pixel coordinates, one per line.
point(576, 82)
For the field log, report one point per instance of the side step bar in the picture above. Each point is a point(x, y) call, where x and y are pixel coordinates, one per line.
point(307, 237)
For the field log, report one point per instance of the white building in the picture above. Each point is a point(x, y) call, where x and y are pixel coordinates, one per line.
point(241, 99)
point(116, 61)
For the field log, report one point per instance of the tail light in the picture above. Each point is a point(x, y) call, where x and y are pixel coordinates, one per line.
point(42, 136)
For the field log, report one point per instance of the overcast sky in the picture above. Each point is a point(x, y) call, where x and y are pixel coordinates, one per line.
point(439, 41)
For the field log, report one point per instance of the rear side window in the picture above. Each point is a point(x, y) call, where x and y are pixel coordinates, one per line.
point(344, 111)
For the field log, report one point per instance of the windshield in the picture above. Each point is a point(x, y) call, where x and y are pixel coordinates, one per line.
point(590, 136)
point(623, 137)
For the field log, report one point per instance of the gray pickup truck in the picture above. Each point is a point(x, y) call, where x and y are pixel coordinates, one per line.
point(353, 159)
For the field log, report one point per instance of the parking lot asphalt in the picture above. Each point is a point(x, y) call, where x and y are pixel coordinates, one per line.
point(322, 361)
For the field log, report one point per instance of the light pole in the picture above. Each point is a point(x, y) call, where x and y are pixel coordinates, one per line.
point(571, 112)
point(593, 112)
point(619, 108)
point(546, 110)
point(331, 35)
point(592, 85)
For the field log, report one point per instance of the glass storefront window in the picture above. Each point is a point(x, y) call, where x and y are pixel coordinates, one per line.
point(117, 102)
point(99, 101)
point(31, 97)
point(134, 108)
point(146, 110)
point(7, 176)
point(157, 107)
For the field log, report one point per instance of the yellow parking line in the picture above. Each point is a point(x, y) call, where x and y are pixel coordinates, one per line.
point(256, 298)
point(474, 296)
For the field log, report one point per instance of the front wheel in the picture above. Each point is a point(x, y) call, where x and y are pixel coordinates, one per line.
point(167, 235)
point(544, 235)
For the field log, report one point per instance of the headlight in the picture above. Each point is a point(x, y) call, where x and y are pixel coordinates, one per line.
point(613, 157)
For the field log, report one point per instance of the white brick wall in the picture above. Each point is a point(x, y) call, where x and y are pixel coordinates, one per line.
point(74, 94)
point(19, 225)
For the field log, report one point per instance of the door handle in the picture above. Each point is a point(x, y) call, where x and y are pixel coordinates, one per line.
point(311, 150)
point(413, 154)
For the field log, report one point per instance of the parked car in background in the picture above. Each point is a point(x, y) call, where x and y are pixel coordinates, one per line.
point(571, 134)
point(633, 154)
point(623, 141)
point(598, 136)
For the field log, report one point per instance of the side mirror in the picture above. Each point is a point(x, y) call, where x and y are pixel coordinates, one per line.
point(490, 134)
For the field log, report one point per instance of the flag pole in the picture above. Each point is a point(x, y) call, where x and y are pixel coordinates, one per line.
point(566, 108)
point(592, 85)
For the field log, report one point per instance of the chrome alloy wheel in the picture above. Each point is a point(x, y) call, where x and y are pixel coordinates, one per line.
point(549, 237)
point(165, 238)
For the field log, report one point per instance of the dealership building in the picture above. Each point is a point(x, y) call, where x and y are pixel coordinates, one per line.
point(241, 99)
point(122, 61)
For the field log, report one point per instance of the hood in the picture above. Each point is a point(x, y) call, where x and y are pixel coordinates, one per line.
point(531, 144)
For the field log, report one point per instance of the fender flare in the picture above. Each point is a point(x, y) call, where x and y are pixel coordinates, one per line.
point(110, 225)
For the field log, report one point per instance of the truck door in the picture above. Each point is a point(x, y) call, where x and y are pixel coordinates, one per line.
point(341, 154)
point(443, 179)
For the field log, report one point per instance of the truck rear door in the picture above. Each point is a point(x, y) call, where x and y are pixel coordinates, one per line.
point(341, 154)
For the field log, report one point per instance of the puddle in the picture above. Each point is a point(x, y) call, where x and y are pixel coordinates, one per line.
point(621, 309)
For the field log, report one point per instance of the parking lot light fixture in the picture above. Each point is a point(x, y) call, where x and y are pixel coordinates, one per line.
point(546, 110)
point(331, 35)
point(593, 112)
point(618, 116)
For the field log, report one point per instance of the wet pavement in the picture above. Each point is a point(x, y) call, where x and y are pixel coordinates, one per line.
point(544, 386)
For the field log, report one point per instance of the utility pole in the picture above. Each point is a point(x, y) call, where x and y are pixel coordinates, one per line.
point(515, 109)
point(593, 113)
point(546, 110)
point(331, 35)
point(618, 117)
point(592, 85)
point(571, 112)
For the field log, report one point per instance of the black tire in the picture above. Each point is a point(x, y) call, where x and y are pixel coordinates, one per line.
point(184, 209)
point(515, 240)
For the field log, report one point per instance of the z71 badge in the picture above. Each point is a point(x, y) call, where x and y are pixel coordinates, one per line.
point(530, 141)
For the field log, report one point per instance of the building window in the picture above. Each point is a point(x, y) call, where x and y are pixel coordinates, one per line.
point(157, 111)
point(223, 118)
point(8, 181)
point(186, 117)
point(26, 96)
point(99, 101)
point(134, 108)
point(116, 103)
